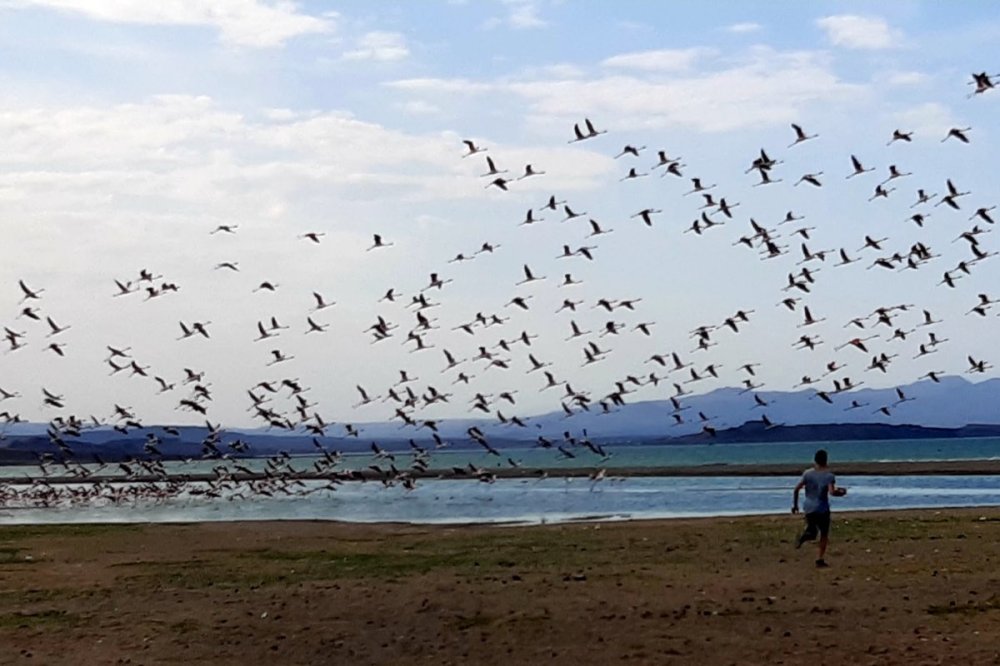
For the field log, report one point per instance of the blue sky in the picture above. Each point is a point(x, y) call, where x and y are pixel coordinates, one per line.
point(133, 129)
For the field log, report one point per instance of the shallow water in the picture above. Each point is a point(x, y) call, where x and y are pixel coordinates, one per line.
point(536, 501)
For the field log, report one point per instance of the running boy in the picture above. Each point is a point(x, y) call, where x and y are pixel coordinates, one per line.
point(820, 484)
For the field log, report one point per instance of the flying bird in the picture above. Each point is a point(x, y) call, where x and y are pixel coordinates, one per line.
point(960, 133)
point(800, 135)
point(472, 148)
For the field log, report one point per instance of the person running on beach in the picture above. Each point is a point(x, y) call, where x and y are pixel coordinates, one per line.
point(820, 484)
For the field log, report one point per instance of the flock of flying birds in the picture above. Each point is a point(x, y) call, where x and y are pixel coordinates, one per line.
point(889, 332)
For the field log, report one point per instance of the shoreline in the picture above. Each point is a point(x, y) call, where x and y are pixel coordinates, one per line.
point(595, 519)
point(902, 468)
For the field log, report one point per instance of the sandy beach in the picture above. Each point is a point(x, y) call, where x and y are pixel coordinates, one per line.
point(914, 587)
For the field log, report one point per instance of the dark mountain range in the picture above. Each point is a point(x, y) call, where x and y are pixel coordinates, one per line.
point(951, 408)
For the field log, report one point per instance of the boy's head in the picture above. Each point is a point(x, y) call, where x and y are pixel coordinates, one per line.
point(820, 457)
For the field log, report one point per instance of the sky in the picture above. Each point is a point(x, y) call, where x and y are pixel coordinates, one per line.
point(132, 130)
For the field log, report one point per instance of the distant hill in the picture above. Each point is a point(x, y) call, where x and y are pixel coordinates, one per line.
point(952, 403)
point(757, 432)
point(954, 407)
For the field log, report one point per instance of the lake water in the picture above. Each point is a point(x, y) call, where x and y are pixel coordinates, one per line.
point(556, 499)
point(539, 501)
point(625, 455)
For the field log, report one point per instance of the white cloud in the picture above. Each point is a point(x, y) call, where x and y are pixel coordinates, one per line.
point(763, 87)
point(196, 155)
point(634, 26)
point(419, 107)
point(658, 60)
point(280, 114)
point(434, 85)
point(181, 149)
point(931, 119)
point(525, 16)
point(859, 32)
point(380, 46)
point(522, 15)
point(253, 23)
point(742, 28)
point(563, 70)
point(910, 78)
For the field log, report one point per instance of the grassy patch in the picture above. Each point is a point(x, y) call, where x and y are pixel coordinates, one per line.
point(371, 559)
point(185, 626)
point(157, 563)
point(18, 532)
point(464, 623)
point(763, 536)
point(972, 608)
point(33, 596)
point(12, 556)
point(46, 618)
point(899, 529)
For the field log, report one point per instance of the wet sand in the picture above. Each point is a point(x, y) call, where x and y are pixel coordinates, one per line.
point(911, 587)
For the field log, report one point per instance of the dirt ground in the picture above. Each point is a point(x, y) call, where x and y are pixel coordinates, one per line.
point(915, 587)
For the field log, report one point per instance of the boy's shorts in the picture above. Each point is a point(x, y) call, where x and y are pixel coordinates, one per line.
point(817, 523)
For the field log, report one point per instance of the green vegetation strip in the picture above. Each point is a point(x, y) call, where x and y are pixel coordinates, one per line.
point(46, 618)
point(17, 532)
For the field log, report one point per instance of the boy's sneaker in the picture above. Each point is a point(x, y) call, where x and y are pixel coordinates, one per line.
point(821, 564)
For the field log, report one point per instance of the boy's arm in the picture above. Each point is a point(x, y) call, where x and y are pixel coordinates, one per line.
point(795, 495)
point(836, 491)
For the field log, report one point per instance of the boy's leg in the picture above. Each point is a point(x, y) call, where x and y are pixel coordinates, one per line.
point(810, 532)
point(823, 525)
